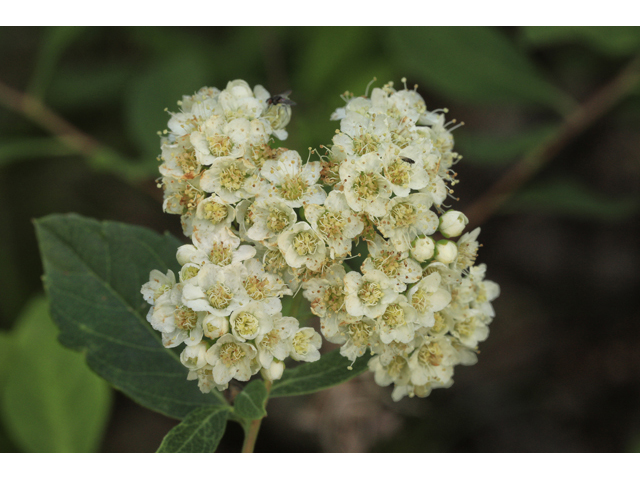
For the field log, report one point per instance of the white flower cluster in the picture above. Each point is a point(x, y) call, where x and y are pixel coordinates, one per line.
point(236, 196)
point(419, 305)
point(265, 224)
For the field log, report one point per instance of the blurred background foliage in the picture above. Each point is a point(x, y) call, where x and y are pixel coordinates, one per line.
point(80, 109)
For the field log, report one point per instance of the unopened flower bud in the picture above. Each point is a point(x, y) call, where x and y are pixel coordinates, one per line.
point(193, 357)
point(452, 223)
point(423, 249)
point(274, 372)
point(446, 251)
point(215, 326)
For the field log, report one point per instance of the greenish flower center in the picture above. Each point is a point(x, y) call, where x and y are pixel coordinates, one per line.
point(331, 224)
point(231, 354)
point(370, 293)
point(220, 145)
point(246, 324)
point(305, 243)
point(219, 296)
point(185, 318)
point(394, 316)
point(334, 298)
point(232, 178)
point(277, 220)
point(215, 212)
point(366, 186)
point(360, 333)
point(300, 343)
point(404, 214)
point(430, 354)
point(293, 188)
point(365, 143)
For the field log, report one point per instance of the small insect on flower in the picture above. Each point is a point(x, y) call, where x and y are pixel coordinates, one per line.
point(408, 160)
point(282, 98)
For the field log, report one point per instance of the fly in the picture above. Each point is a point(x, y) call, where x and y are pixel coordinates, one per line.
point(281, 99)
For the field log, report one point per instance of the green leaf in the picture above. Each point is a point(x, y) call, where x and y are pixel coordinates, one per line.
point(89, 87)
point(200, 432)
point(490, 150)
point(328, 51)
point(614, 41)
point(157, 89)
point(55, 42)
point(297, 307)
point(93, 274)
point(6, 354)
point(250, 402)
point(52, 401)
point(474, 64)
point(101, 160)
point(330, 370)
point(566, 197)
point(27, 148)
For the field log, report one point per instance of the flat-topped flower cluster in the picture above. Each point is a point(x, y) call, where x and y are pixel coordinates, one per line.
point(236, 196)
point(265, 224)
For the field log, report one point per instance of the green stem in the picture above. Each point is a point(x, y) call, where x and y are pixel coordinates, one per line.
point(251, 434)
point(574, 124)
point(98, 155)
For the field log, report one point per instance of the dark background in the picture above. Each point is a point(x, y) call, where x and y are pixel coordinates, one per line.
point(560, 370)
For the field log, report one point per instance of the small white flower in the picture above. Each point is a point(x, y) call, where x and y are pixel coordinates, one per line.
point(189, 272)
point(304, 345)
point(432, 361)
point(361, 134)
point(220, 249)
point(238, 101)
point(219, 290)
point(266, 288)
point(218, 140)
point(327, 295)
point(293, 183)
point(269, 219)
point(275, 344)
point(467, 249)
point(179, 160)
point(395, 265)
point(396, 371)
point(301, 246)
point(470, 328)
point(177, 322)
point(213, 215)
point(365, 189)
point(250, 321)
point(181, 195)
point(406, 218)
point(158, 287)
point(231, 358)
point(356, 335)
point(485, 291)
point(407, 103)
point(204, 376)
point(427, 298)
point(368, 294)
point(397, 323)
point(335, 222)
point(404, 169)
point(231, 179)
